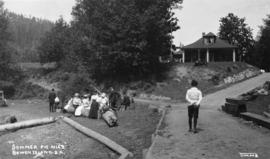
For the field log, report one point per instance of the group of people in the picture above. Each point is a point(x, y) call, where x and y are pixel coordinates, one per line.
point(87, 105)
point(98, 105)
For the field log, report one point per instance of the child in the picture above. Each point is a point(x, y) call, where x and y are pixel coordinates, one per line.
point(194, 97)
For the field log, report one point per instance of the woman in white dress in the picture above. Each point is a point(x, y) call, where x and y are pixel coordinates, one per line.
point(85, 104)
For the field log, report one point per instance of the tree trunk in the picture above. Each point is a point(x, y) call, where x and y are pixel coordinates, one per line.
point(26, 124)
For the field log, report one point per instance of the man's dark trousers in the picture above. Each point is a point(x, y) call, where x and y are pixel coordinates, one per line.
point(193, 112)
point(51, 106)
point(52, 97)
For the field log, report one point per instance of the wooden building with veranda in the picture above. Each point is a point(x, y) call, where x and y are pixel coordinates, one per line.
point(209, 48)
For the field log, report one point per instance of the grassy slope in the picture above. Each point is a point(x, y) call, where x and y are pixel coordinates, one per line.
point(174, 86)
point(178, 78)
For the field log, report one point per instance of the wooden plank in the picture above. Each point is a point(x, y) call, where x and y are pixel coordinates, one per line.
point(259, 119)
point(103, 139)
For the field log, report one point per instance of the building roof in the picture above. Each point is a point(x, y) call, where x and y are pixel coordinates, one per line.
point(218, 44)
point(210, 34)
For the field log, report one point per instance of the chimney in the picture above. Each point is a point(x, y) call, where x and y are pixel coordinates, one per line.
point(203, 34)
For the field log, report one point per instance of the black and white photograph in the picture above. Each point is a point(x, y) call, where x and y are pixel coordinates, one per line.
point(134, 79)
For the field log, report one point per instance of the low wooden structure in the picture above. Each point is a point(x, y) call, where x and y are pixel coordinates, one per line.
point(234, 106)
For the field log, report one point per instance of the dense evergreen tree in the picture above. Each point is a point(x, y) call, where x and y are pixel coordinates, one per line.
point(261, 54)
point(7, 67)
point(5, 58)
point(122, 37)
point(236, 32)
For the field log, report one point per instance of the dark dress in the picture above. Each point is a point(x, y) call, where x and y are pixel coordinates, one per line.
point(126, 101)
point(94, 110)
point(52, 97)
point(114, 98)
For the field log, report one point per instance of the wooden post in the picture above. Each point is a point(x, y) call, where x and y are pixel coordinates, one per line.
point(183, 57)
point(207, 55)
point(234, 55)
point(199, 54)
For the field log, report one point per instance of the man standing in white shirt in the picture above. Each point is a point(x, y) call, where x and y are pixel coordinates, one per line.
point(194, 97)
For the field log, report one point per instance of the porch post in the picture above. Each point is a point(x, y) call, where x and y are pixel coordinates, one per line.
point(183, 57)
point(199, 54)
point(207, 55)
point(234, 55)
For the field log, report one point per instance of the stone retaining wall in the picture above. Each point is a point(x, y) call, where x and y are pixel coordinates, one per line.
point(240, 76)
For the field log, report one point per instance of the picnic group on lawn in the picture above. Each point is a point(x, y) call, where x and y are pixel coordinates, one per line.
point(101, 105)
point(95, 106)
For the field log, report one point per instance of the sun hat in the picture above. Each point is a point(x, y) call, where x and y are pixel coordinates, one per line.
point(103, 95)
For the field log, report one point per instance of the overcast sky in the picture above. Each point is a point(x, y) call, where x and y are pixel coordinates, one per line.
point(48, 9)
point(197, 16)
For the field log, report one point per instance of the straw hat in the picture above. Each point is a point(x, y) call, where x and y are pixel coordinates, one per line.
point(103, 95)
point(77, 95)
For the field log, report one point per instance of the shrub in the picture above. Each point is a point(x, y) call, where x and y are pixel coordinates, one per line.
point(229, 69)
point(76, 83)
point(215, 79)
point(28, 90)
point(236, 67)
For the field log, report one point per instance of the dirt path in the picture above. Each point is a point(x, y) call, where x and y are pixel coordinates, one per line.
point(220, 136)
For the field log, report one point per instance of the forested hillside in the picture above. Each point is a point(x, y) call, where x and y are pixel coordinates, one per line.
point(26, 34)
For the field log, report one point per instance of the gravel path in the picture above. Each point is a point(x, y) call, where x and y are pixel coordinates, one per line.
point(220, 136)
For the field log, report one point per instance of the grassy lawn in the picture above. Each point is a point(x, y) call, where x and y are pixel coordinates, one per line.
point(134, 132)
point(69, 143)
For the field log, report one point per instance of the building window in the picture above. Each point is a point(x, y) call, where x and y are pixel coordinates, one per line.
point(209, 40)
point(206, 42)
